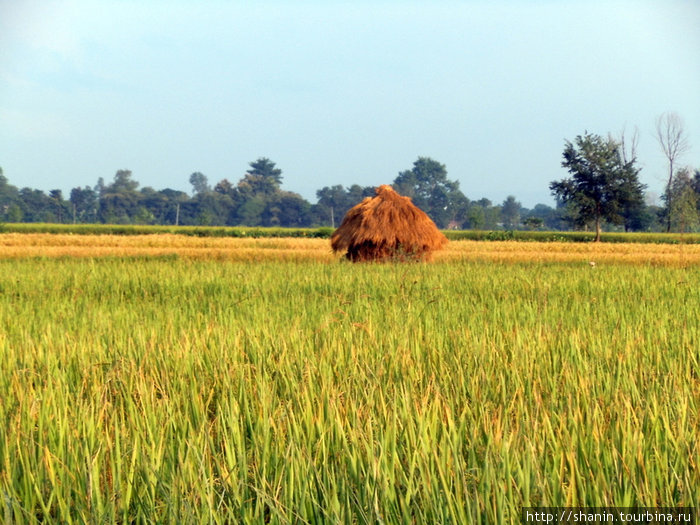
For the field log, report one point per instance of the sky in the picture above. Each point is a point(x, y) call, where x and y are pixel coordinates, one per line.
point(339, 92)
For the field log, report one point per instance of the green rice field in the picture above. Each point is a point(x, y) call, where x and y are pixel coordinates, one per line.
point(175, 390)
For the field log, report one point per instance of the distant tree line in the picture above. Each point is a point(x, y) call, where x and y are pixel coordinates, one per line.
point(602, 194)
point(258, 199)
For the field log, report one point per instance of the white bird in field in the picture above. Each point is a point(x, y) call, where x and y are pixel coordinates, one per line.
point(591, 264)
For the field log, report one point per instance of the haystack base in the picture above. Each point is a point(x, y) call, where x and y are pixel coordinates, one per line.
point(385, 252)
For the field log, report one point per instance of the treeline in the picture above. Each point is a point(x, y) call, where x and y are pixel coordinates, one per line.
point(257, 199)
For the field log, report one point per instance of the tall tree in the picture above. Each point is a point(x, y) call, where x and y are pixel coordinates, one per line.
point(9, 200)
point(122, 183)
point(119, 201)
point(332, 204)
point(200, 183)
point(602, 183)
point(261, 181)
point(264, 167)
point(510, 212)
point(36, 206)
point(225, 187)
point(684, 200)
point(673, 140)
point(430, 189)
point(696, 182)
point(84, 201)
point(61, 208)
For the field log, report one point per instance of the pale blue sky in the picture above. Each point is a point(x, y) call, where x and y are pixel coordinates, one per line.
point(338, 92)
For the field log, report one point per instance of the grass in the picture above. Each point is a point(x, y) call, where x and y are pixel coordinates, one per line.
point(141, 229)
point(180, 389)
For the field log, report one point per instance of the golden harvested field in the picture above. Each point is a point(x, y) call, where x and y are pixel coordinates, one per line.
point(14, 245)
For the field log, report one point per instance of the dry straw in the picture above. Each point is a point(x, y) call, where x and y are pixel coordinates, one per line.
point(387, 227)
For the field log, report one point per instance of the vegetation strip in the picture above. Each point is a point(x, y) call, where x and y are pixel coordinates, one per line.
point(325, 233)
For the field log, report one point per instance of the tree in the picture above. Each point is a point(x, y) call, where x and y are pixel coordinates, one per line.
point(684, 199)
point(9, 200)
point(671, 136)
point(200, 183)
point(459, 211)
point(36, 206)
point(632, 200)
point(59, 205)
point(635, 213)
point(225, 187)
point(492, 216)
point(533, 223)
point(123, 183)
point(250, 212)
point(638, 216)
point(602, 183)
point(332, 204)
point(357, 193)
point(286, 209)
point(213, 208)
point(100, 186)
point(261, 181)
point(264, 167)
point(84, 201)
point(696, 186)
point(119, 201)
point(510, 213)
point(175, 210)
point(430, 189)
point(550, 217)
point(476, 217)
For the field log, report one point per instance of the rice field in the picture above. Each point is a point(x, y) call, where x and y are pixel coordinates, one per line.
point(18, 245)
point(162, 379)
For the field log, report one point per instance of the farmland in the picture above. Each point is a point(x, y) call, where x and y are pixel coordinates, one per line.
point(164, 378)
point(236, 249)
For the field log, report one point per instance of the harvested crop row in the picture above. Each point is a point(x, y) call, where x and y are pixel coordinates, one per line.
point(236, 249)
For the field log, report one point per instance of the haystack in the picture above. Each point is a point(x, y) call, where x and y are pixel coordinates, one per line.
point(387, 227)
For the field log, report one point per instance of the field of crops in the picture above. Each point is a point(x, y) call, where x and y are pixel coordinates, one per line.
point(18, 245)
point(156, 379)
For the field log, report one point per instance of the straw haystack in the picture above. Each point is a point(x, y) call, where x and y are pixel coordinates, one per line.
point(387, 227)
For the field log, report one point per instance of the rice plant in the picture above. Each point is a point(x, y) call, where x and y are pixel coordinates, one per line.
point(180, 390)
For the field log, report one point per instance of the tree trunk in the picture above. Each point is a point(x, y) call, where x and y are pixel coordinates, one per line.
point(669, 196)
point(597, 224)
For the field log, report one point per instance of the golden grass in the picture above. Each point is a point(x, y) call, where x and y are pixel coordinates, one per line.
point(16, 245)
point(514, 251)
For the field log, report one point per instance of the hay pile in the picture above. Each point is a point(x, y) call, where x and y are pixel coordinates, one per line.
point(387, 227)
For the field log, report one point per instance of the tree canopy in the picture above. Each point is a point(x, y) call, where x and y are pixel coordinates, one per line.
point(601, 185)
point(430, 189)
